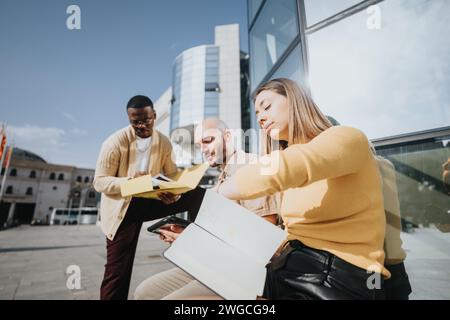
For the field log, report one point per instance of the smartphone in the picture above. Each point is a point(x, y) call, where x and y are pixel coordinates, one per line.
point(154, 228)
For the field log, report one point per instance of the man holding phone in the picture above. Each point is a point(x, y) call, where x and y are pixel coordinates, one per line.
point(166, 222)
point(217, 146)
point(131, 152)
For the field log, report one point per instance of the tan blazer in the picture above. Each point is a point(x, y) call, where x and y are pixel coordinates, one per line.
point(116, 163)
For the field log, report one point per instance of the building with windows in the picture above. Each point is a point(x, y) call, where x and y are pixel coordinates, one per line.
point(206, 81)
point(382, 67)
point(209, 81)
point(33, 188)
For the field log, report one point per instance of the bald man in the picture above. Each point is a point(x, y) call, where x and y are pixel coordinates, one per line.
point(217, 146)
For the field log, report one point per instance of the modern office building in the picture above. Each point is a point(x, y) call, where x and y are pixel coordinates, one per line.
point(33, 188)
point(383, 67)
point(207, 82)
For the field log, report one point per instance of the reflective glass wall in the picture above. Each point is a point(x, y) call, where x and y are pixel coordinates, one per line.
point(383, 67)
point(422, 164)
point(393, 70)
point(270, 36)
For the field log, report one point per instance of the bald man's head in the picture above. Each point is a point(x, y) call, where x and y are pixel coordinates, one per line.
point(211, 123)
point(213, 136)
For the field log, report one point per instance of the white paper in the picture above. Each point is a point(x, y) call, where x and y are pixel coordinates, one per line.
point(239, 227)
point(156, 180)
point(216, 264)
point(227, 248)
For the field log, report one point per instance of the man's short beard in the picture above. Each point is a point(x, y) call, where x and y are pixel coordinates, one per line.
point(218, 163)
point(223, 159)
point(214, 165)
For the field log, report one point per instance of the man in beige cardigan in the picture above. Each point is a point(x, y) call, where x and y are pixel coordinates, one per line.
point(131, 152)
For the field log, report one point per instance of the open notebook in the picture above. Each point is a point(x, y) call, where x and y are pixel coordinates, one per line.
point(227, 248)
point(150, 187)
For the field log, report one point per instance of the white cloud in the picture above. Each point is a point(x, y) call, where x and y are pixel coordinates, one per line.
point(69, 116)
point(47, 142)
point(79, 132)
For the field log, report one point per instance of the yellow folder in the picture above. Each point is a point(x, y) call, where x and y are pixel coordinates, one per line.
point(183, 181)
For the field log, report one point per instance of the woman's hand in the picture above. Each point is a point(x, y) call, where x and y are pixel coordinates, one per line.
point(229, 189)
point(170, 233)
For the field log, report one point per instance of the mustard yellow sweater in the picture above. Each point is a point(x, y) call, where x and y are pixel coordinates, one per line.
point(331, 195)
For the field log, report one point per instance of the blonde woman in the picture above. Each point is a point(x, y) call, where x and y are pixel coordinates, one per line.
point(332, 202)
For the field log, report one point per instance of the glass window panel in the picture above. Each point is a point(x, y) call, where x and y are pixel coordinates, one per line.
point(318, 10)
point(421, 186)
point(211, 72)
point(253, 6)
point(212, 78)
point(389, 81)
point(292, 67)
point(214, 87)
point(212, 64)
point(212, 50)
point(270, 36)
point(210, 112)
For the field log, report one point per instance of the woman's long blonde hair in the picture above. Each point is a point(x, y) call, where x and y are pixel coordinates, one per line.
point(306, 121)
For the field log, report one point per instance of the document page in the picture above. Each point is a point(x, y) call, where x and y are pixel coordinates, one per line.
point(239, 227)
point(216, 264)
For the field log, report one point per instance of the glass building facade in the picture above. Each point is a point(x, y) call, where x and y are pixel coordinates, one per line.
point(382, 67)
point(209, 81)
point(195, 86)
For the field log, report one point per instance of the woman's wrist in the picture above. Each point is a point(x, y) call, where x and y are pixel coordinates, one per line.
point(217, 188)
point(229, 190)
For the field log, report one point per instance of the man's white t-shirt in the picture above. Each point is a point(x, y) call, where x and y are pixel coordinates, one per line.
point(143, 146)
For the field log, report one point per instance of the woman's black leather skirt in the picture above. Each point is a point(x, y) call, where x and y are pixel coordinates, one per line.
point(301, 272)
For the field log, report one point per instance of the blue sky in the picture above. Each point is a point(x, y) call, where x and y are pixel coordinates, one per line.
point(63, 92)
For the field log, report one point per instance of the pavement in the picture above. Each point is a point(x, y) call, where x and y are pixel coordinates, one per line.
point(34, 262)
point(427, 263)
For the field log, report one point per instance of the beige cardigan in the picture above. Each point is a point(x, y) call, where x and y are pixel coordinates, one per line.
point(116, 163)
